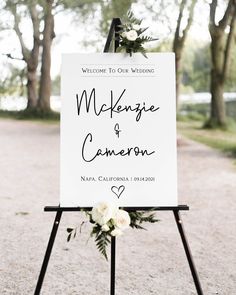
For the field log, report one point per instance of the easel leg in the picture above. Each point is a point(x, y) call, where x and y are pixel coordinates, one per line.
point(188, 252)
point(48, 252)
point(113, 265)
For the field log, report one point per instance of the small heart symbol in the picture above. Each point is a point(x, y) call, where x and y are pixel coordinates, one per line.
point(118, 190)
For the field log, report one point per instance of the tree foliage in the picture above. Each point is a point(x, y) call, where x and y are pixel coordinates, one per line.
point(113, 9)
point(40, 14)
point(13, 83)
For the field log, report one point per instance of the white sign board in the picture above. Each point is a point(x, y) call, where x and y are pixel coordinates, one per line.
point(118, 130)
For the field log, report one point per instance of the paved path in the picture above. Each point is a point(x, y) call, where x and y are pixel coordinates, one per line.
point(148, 262)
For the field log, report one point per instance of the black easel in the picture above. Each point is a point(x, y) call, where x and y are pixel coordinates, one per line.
point(59, 210)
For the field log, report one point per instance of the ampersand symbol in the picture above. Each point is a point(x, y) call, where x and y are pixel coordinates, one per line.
point(117, 130)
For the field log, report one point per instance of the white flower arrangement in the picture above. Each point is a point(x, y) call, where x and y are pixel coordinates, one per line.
point(110, 221)
point(130, 36)
point(110, 218)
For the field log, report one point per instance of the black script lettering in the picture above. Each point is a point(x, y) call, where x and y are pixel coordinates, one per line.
point(131, 151)
point(115, 105)
point(88, 102)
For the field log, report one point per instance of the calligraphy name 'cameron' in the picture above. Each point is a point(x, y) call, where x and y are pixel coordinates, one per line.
point(131, 151)
point(115, 106)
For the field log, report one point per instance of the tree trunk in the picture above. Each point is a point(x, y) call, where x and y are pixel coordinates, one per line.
point(32, 65)
point(221, 44)
point(178, 74)
point(45, 79)
point(218, 115)
point(29, 56)
point(179, 40)
point(31, 88)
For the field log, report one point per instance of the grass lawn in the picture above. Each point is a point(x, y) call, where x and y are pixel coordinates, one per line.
point(45, 117)
point(216, 138)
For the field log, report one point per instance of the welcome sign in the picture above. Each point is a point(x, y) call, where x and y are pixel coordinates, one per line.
point(118, 130)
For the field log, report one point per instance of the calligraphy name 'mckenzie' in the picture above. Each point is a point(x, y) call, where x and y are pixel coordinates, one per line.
point(115, 106)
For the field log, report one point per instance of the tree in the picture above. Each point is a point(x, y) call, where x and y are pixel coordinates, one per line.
point(30, 56)
point(112, 9)
point(221, 46)
point(45, 78)
point(196, 66)
point(41, 14)
point(50, 8)
point(177, 29)
point(180, 39)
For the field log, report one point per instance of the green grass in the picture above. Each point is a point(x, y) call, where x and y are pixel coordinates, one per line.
point(49, 117)
point(224, 140)
point(203, 109)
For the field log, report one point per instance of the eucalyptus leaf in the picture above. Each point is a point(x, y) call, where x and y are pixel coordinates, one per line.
point(69, 237)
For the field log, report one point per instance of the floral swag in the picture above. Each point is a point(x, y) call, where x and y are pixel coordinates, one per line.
point(110, 221)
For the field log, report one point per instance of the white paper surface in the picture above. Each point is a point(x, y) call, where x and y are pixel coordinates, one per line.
point(118, 130)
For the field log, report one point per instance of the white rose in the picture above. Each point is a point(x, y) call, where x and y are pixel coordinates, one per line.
point(121, 220)
point(102, 213)
point(105, 227)
point(132, 35)
point(136, 27)
point(116, 232)
point(123, 34)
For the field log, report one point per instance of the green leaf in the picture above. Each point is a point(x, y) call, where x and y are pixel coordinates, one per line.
point(131, 47)
point(69, 237)
point(102, 242)
point(72, 233)
point(138, 217)
point(69, 229)
point(143, 30)
point(120, 49)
